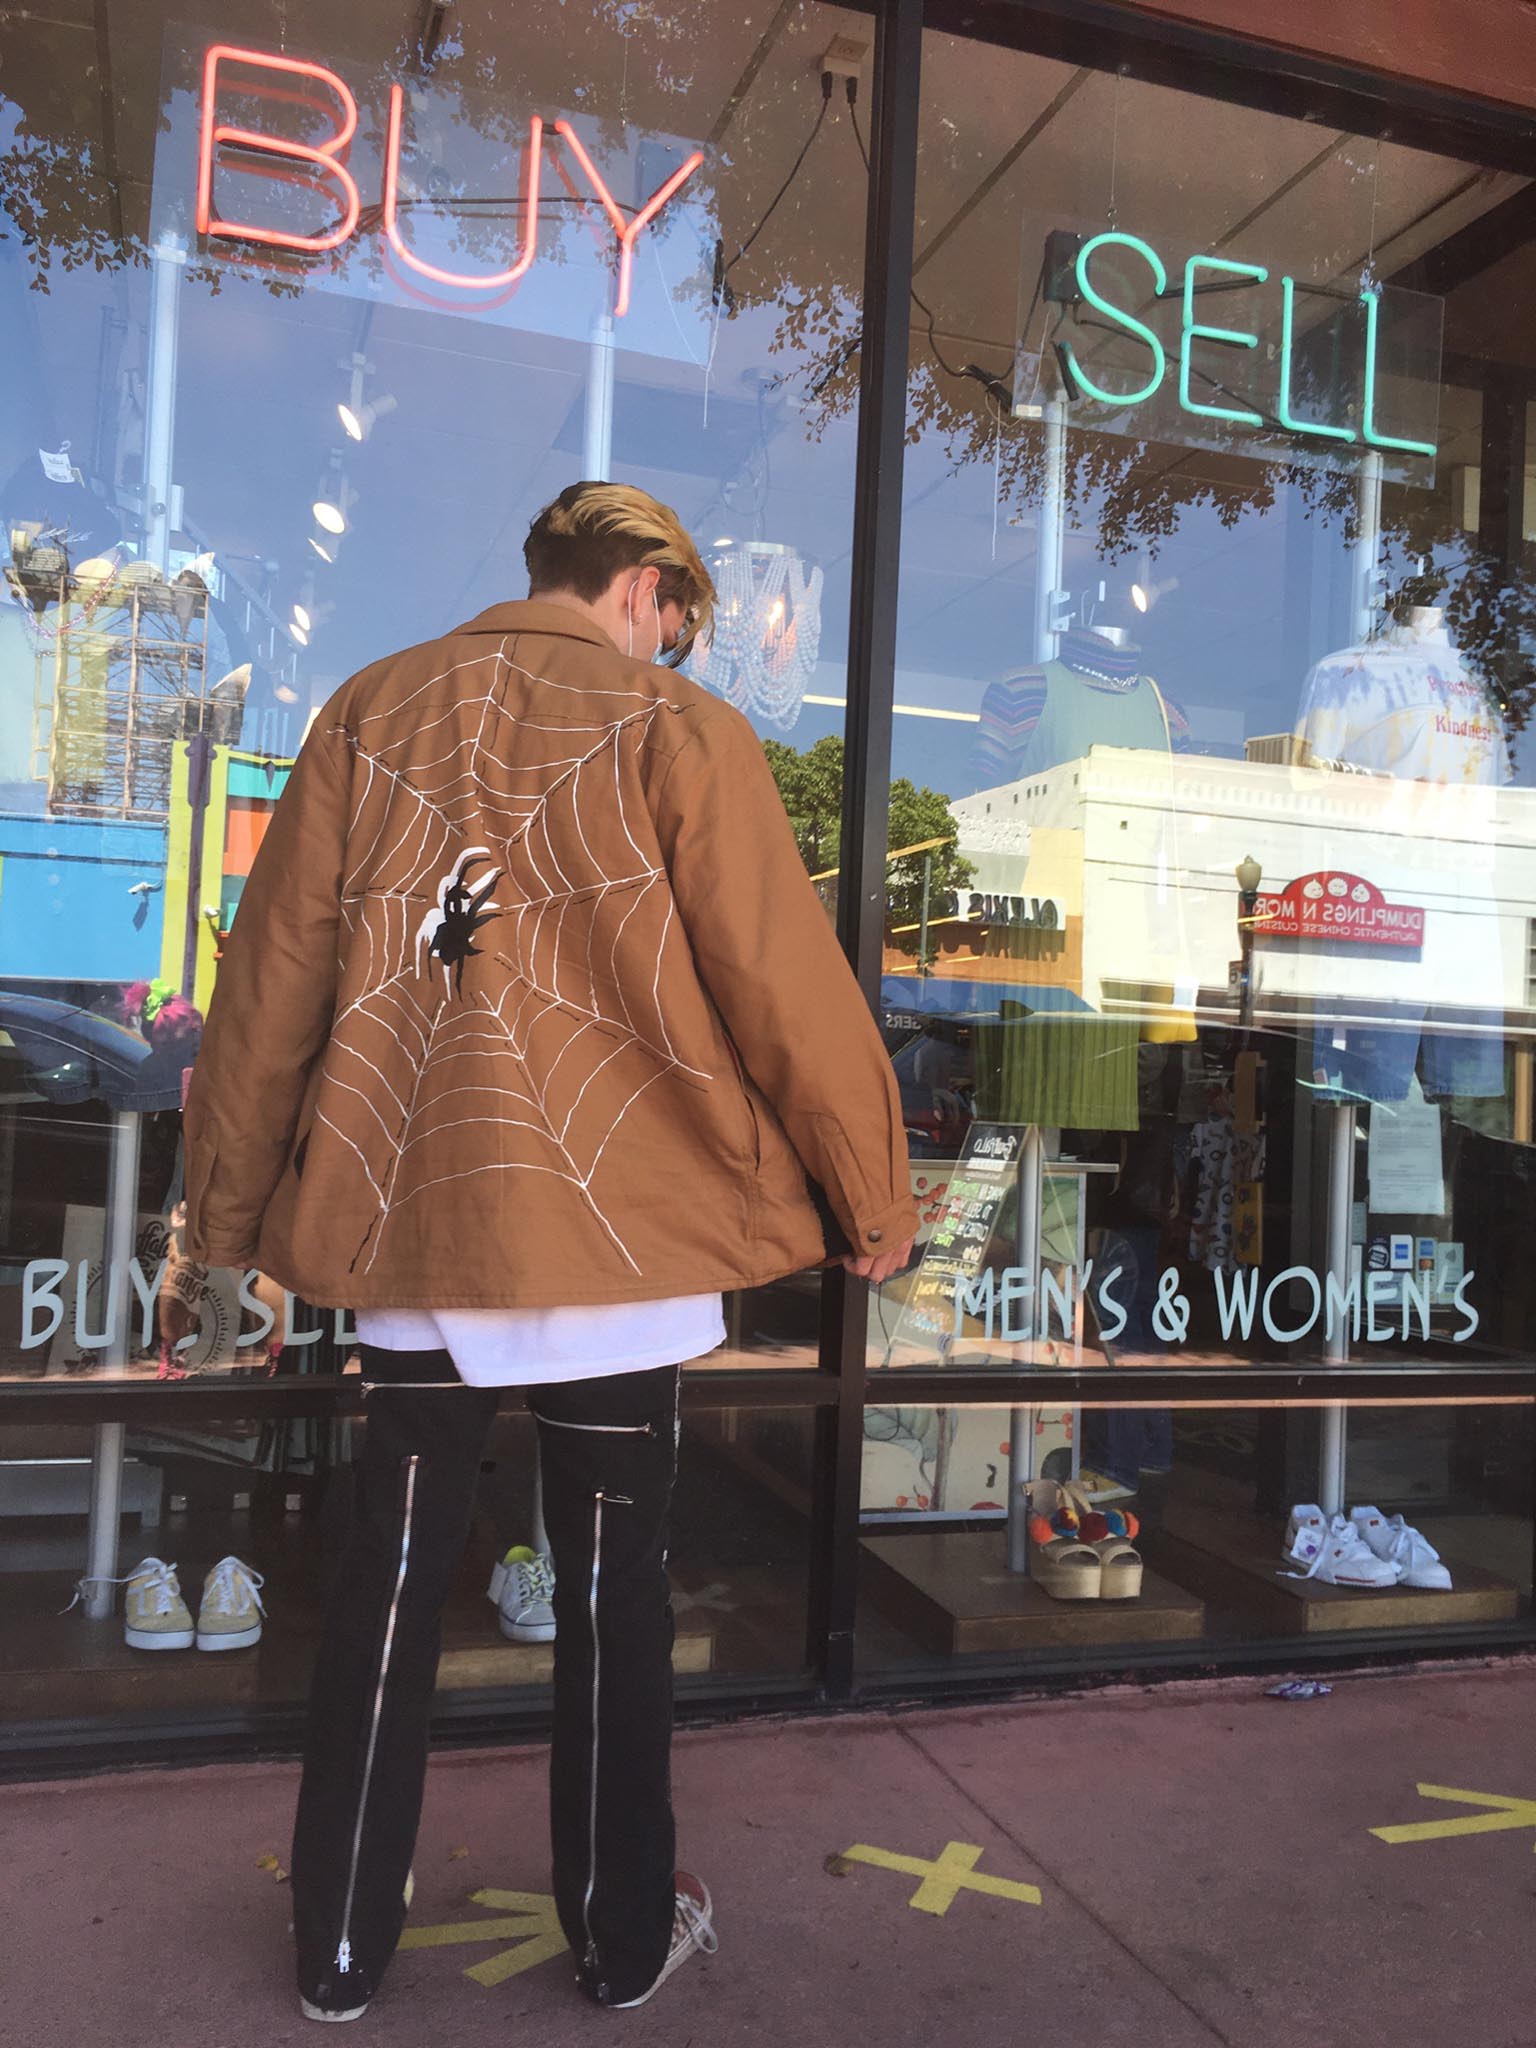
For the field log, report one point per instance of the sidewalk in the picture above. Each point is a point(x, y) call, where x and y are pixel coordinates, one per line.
point(1204, 1857)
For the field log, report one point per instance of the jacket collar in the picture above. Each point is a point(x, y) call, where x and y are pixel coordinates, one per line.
point(537, 615)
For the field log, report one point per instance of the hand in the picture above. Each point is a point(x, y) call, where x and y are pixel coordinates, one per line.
point(877, 1267)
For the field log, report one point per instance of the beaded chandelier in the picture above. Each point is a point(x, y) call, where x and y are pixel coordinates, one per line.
point(767, 629)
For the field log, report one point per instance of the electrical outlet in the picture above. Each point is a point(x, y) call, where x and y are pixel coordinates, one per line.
point(845, 57)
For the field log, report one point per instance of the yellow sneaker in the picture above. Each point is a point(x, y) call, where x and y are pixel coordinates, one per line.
point(155, 1617)
point(230, 1615)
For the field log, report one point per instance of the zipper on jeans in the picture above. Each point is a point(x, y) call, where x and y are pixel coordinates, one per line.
point(599, 1500)
point(597, 1672)
point(598, 1428)
point(344, 1947)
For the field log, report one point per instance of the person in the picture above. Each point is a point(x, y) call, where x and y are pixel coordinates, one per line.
point(530, 1038)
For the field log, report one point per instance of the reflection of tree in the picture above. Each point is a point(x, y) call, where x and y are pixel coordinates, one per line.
point(811, 784)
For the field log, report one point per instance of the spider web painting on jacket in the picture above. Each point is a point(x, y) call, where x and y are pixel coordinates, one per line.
point(505, 914)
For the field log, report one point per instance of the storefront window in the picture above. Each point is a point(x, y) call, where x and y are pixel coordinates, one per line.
point(300, 329)
point(1207, 977)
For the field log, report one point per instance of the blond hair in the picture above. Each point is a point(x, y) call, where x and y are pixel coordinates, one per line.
point(594, 531)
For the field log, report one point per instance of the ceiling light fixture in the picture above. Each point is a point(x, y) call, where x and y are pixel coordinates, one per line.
point(302, 619)
point(767, 629)
point(323, 552)
point(299, 634)
point(330, 516)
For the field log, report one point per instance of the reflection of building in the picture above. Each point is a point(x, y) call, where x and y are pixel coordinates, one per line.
point(1141, 848)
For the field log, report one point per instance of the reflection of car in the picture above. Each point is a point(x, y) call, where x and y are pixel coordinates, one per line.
point(936, 1117)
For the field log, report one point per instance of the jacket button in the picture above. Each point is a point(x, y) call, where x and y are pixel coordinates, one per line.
point(875, 1236)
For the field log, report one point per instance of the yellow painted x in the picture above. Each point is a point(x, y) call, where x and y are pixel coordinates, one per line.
point(946, 1876)
point(1508, 1813)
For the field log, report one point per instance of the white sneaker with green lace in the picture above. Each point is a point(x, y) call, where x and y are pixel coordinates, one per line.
point(229, 1617)
point(523, 1588)
point(155, 1617)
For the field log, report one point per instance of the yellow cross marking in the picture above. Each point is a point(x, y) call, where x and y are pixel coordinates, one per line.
point(535, 1931)
point(1507, 1813)
point(950, 1873)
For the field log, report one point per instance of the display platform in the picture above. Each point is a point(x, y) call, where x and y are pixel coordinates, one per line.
point(953, 1592)
point(500, 1663)
point(1234, 1561)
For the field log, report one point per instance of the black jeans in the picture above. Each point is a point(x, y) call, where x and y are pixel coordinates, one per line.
point(608, 1449)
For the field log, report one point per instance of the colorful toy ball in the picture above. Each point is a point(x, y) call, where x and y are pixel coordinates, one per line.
point(1095, 1528)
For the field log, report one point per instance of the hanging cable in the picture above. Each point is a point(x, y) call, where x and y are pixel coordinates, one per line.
point(724, 269)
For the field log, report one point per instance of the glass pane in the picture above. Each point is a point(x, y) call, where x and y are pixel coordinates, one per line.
point(1207, 975)
point(238, 466)
point(1151, 1533)
point(277, 1496)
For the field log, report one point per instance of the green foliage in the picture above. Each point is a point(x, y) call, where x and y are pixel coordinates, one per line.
point(811, 784)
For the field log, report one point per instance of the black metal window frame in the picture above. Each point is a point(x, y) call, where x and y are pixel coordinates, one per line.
point(1101, 35)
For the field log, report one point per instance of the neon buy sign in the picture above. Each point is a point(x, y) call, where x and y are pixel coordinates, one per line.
point(327, 162)
point(1194, 331)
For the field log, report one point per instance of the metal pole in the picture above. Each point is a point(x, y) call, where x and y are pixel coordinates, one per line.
point(1050, 547)
point(1049, 560)
point(119, 1237)
point(1341, 1196)
point(1367, 544)
point(167, 260)
point(1021, 1424)
point(880, 453)
point(597, 444)
point(922, 940)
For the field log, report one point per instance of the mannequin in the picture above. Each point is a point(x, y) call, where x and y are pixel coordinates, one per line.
point(1092, 694)
point(1404, 704)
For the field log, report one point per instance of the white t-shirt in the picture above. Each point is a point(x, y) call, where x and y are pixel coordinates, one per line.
point(528, 1347)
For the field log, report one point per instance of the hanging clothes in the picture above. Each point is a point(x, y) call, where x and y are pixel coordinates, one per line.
point(1076, 1073)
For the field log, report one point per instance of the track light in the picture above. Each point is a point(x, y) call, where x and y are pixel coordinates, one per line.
point(330, 516)
point(323, 552)
point(299, 634)
point(358, 421)
point(1145, 595)
point(302, 619)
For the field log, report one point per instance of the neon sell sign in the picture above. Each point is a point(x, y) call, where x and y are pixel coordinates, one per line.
point(325, 164)
point(1337, 907)
point(1199, 342)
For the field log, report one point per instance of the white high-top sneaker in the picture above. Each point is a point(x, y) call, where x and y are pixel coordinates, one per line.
point(1414, 1555)
point(1339, 1556)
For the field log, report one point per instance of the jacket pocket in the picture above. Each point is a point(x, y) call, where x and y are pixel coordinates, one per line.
point(753, 1153)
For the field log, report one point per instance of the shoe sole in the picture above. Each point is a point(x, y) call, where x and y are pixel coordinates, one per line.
point(241, 1639)
point(318, 2012)
point(520, 1632)
point(159, 1639)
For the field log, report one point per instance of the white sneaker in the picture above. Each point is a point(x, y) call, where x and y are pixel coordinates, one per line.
point(1414, 1555)
point(693, 1932)
point(523, 1588)
point(1339, 1556)
point(1304, 1517)
point(229, 1617)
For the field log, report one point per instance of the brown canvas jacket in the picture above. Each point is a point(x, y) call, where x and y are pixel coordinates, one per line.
point(530, 1002)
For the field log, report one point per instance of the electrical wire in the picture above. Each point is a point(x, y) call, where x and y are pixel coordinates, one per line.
point(794, 172)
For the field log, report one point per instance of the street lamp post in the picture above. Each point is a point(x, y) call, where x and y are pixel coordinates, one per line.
point(1249, 875)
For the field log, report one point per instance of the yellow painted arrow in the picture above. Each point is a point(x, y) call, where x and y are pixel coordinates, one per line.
point(535, 1930)
point(1507, 1813)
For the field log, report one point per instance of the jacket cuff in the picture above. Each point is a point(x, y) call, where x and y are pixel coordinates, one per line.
point(884, 1232)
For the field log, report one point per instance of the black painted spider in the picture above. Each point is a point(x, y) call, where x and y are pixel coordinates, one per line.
point(448, 933)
